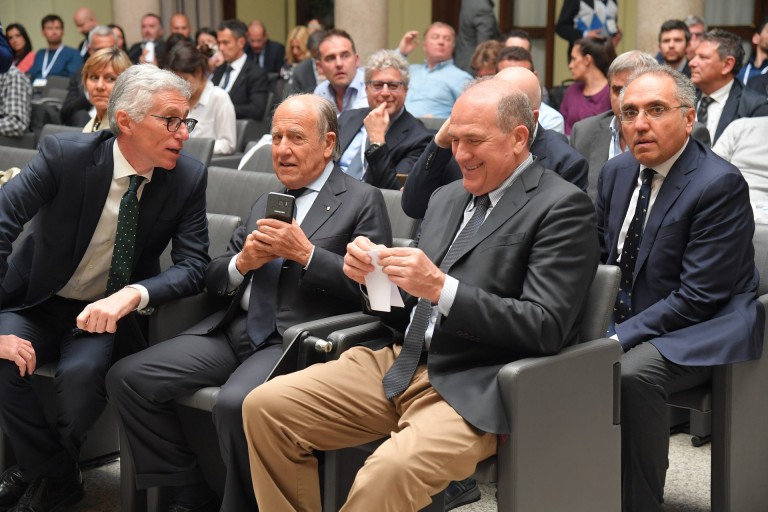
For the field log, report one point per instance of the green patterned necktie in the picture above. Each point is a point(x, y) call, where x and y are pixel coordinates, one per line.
point(125, 239)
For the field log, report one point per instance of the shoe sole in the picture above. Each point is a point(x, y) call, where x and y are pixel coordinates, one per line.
point(464, 499)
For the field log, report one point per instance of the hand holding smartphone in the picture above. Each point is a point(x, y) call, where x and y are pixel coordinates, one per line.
point(280, 207)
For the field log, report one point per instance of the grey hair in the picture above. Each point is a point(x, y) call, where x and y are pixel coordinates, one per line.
point(100, 30)
point(728, 45)
point(630, 61)
point(692, 19)
point(685, 91)
point(386, 59)
point(327, 122)
point(135, 90)
point(514, 107)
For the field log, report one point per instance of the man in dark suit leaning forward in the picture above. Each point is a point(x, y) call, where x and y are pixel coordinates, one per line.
point(520, 229)
point(688, 295)
point(103, 208)
point(276, 275)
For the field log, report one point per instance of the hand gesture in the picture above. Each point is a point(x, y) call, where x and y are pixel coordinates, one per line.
point(357, 262)
point(102, 315)
point(408, 42)
point(411, 270)
point(20, 352)
point(285, 240)
point(376, 123)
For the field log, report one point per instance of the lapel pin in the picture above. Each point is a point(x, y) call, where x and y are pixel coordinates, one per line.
point(327, 208)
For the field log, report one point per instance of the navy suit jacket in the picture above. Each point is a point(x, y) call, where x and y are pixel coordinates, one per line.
point(695, 287)
point(436, 167)
point(63, 190)
point(520, 276)
point(274, 56)
point(741, 102)
point(249, 92)
point(759, 84)
point(343, 209)
point(404, 142)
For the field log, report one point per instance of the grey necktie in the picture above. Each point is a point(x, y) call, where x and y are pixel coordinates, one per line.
point(702, 113)
point(225, 79)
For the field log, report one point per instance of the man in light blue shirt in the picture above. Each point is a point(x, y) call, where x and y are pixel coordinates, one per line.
point(437, 82)
point(344, 85)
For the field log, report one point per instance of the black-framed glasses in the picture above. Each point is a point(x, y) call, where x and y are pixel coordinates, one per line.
point(378, 85)
point(173, 123)
point(630, 115)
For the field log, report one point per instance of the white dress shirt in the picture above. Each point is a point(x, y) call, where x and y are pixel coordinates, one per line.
point(215, 114)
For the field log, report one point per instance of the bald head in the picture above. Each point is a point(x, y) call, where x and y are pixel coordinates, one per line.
point(525, 81)
point(85, 20)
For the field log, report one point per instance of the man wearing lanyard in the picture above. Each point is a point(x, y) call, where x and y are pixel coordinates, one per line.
point(57, 59)
point(758, 64)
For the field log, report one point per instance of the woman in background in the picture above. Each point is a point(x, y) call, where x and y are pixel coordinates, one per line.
point(100, 73)
point(589, 94)
point(295, 50)
point(18, 40)
point(207, 43)
point(209, 104)
point(483, 60)
point(120, 36)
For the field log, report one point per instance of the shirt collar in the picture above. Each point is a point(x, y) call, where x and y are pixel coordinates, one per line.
point(495, 195)
point(439, 65)
point(319, 182)
point(205, 96)
point(124, 169)
point(721, 95)
point(238, 63)
point(664, 167)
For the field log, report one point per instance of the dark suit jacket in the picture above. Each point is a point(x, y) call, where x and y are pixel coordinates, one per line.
point(249, 92)
point(695, 288)
point(405, 140)
point(76, 107)
point(436, 167)
point(759, 84)
point(591, 137)
point(343, 209)
point(530, 262)
point(134, 52)
point(274, 56)
point(303, 78)
point(741, 102)
point(63, 190)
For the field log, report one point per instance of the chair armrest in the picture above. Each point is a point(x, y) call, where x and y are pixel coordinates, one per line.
point(565, 435)
point(346, 338)
point(322, 327)
point(173, 317)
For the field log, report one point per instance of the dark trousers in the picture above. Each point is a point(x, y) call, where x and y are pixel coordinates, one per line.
point(43, 448)
point(647, 379)
point(142, 388)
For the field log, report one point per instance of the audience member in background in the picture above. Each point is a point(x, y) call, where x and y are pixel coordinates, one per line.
point(513, 56)
point(274, 275)
point(758, 64)
point(483, 61)
point(15, 102)
point(57, 59)
point(18, 40)
point(120, 36)
point(588, 95)
point(168, 45)
point(239, 76)
point(723, 98)
point(296, 50)
point(582, 19)
point(344, 85)
point(437, 82)
point(180, 25)
point(209, 104)
point(678, 223)
point(72, 300)
point(437, 166)
point(477, 24)
point(6, 54)
point(100, 73)
point(696, 27)
point(269, 55)
point(743, 144)
point(521, 38)
point(674, 38)
point(77, 110)
point(308, 73)
point(383, 140)
point(85, 21)
point(206, 38)
point(150, 48)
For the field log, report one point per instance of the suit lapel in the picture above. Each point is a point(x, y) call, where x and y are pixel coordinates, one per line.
point(350, 126)
point(729, 109)
point(626, 180)
point(325, 203)
point(98, 178)
point(151, 203)
point(397, 131)
point(539, 146)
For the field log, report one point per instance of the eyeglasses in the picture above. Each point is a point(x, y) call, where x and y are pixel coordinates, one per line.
point(630, 115)
point(378, 85)
point(173, 123)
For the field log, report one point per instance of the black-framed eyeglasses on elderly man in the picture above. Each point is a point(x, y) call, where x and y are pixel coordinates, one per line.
point(378, 85)
point(173, 123)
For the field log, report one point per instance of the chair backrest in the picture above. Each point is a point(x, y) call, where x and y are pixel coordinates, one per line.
point(200, 148)
point(26, 141)
point(49, 129)
point(15, 157)
point(233, 192)
point(403, 227)
point(599, 305)
point(432, 123)
point(261, 160)
point(760, 241)
point(220, 229)
point(241, 130)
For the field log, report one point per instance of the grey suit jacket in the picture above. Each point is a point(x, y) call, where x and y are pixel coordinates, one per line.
point(592, 138)
point(343, 209)
point(531, 261)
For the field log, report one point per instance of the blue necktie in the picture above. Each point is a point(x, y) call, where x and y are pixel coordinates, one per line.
point(227, 73)
point(401, 372)
point(125, 238)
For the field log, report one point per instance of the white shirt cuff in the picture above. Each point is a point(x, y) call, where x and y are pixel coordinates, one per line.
point(235, 277)
point(144, 296)
point(447, 295)
point(306, 267)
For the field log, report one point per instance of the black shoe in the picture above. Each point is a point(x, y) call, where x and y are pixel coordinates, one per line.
point(12, 488)
point(51, 495)
point(211, 505)
point(461, 493)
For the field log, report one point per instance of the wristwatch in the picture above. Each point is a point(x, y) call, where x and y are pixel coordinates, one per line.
point(373, 147)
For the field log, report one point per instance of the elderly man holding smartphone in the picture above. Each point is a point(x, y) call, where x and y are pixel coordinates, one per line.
point(276, 274)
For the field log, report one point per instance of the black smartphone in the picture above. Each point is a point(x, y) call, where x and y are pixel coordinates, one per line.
point(280, 207)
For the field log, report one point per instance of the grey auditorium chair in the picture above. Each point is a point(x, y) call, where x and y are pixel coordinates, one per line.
point(15, 157)
point(200, 148)
point(49, 129)
point(564, 449)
